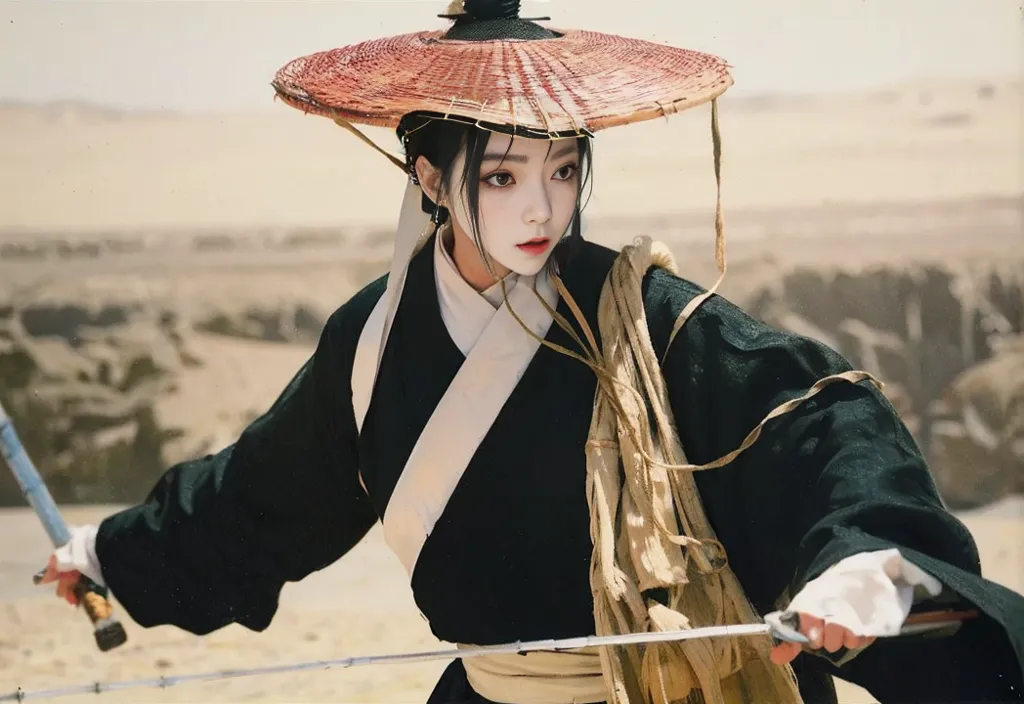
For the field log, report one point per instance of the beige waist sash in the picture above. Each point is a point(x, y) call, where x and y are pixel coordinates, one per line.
point(538, 677)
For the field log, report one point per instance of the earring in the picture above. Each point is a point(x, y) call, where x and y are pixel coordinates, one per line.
point(410, 167)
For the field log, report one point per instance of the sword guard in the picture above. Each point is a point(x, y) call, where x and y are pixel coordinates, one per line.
point(785, 628)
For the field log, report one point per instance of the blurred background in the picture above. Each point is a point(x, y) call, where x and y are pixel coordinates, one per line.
point(172, 239)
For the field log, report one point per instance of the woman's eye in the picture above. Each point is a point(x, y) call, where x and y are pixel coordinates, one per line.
point(566, 172)
point(499, 180)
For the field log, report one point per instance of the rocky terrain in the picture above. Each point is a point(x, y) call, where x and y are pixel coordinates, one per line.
point(111, 378)
point(948, 342)
point(148, 351)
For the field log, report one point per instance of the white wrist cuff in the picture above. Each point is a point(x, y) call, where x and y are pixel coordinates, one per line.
point(80, 554)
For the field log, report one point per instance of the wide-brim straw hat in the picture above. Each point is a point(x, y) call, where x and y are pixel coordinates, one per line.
point(549, 83)
point(504, 73)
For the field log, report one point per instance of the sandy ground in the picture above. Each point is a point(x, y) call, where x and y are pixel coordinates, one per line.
point(361, 605)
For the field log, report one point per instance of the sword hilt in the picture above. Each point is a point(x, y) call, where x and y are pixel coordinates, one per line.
point(107, 630)
point(928, 624)
point(92, 597)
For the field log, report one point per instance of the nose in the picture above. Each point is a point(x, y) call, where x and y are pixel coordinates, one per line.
point(538, 207)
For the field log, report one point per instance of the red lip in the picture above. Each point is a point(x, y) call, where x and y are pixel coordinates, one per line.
point(535, 246)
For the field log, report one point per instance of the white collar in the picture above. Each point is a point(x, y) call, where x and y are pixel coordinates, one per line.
point(465, 311)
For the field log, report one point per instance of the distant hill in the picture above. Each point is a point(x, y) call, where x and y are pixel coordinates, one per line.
point(78, 167)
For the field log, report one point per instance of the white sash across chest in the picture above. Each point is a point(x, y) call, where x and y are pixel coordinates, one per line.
point(464, 415)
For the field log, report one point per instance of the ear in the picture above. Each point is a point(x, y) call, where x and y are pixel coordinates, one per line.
point(429, 178)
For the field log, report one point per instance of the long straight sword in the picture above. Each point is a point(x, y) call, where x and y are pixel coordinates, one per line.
point(424, 656)
point(914, 624)
point(109, 632)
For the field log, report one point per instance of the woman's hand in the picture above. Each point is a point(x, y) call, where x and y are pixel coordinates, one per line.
point(70, 562)
point(830, 636)
point(66, 580)
point(869, 592)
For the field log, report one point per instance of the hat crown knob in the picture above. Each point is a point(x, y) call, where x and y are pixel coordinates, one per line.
point(492, 9)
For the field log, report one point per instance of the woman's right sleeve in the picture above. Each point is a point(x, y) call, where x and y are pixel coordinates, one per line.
point(217, 537)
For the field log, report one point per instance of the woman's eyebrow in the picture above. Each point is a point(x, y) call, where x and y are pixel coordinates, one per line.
point(502, 156)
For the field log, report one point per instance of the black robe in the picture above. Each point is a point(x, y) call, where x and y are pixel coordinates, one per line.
point(508, 560)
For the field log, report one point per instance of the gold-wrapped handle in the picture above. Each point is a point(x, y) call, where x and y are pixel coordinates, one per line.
point(92, 597)
point(108, 630)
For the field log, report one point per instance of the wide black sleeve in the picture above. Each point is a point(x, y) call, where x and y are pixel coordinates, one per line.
point(217, 537)
point(838, 476)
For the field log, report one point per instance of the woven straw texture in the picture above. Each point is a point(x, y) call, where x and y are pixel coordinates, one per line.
point(581, 81)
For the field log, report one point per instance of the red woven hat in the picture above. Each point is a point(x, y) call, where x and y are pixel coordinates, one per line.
point(503, 72)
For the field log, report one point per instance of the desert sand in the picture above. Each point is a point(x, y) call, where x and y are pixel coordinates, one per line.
point(196, 213)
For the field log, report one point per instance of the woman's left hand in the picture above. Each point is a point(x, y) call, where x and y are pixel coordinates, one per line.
point(821, 634)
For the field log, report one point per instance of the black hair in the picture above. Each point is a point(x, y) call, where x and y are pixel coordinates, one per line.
point(439, 141)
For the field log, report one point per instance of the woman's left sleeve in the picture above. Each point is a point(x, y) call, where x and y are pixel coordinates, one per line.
point(838, 476)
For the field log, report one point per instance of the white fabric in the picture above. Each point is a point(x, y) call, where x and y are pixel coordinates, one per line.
point(364, 363)
point(79, 553)
point(869, 593)
point(464, 415)
point(465, 311)
point(497, 353)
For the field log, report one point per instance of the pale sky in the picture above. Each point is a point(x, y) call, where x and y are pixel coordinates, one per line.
point(203, 55)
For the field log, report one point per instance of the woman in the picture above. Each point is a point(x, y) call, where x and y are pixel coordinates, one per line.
point(527, 413)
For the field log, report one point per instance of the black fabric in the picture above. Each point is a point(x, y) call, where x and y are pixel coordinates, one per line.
point(491, 9)
point(218, 537)
point(836, 477)
point(495, 20)
point(509, 559)
point(496, 30)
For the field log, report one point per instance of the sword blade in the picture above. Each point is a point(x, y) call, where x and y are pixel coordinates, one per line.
point(401, 658)
point(740, 630)
point(32, 485)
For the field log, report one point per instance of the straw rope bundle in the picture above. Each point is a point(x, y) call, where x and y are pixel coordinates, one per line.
point(648, 524)
point(650, 531)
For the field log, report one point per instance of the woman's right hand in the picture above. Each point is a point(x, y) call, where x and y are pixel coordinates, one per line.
point(65, 579)
point(71, 561)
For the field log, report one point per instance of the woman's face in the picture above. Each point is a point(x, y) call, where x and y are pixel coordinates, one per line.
point(528, 192)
